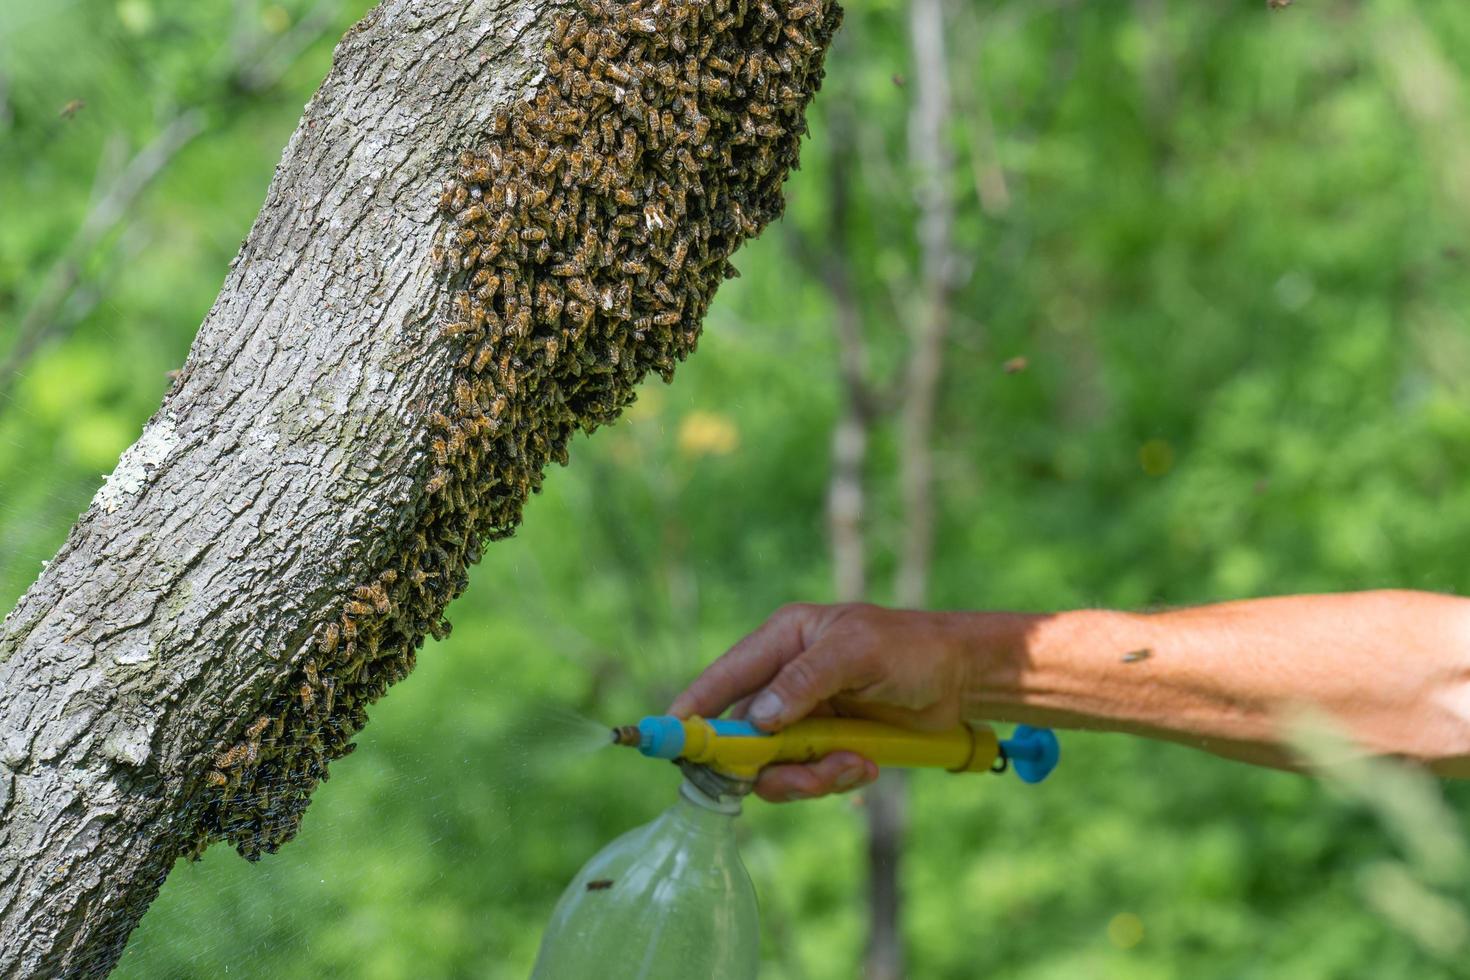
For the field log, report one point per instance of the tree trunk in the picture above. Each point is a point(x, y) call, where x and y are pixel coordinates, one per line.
point(931, 162)
point(389, 365)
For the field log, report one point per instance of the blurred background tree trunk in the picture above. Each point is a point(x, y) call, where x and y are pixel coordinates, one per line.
point(863, 403)
point(930, 164)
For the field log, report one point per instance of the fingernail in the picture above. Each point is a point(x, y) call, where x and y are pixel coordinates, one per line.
point(850, 777)
point(766, 708)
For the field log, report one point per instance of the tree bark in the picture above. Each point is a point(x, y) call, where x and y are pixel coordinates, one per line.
point(264, 561)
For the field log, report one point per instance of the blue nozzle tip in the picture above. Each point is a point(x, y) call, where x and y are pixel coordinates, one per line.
point(1033, 752)
point(661, 737)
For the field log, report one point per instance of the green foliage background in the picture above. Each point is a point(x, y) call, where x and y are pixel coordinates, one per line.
point(1231, 245)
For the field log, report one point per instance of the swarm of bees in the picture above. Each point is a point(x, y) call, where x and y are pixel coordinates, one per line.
point(581, 245)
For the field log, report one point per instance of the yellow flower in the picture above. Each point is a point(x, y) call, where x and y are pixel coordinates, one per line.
point(708, 434)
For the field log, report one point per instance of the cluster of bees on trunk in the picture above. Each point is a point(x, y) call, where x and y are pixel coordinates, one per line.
point(582, 244)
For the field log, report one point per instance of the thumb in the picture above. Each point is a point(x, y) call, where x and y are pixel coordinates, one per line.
point(816, 675)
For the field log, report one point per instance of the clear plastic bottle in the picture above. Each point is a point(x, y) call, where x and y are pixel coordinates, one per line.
point(670, 900)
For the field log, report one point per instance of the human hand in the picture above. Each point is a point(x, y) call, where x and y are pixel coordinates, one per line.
point(856, 660)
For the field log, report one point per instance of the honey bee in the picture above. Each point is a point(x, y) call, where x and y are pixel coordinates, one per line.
point(308, 698)
point(216, 778)
point(328, 643)
point(230, 758)
point(653, 216)
point(471, 214)
point(354, 607)
point(456, 441)
point(437, 482)
point(482, 358)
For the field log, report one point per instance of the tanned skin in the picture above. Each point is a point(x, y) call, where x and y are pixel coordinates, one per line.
point(1392, 668)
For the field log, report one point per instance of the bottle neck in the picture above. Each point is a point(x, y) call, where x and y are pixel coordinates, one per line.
point(697, 801)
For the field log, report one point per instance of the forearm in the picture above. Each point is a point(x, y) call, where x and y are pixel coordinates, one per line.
point(1392, 668)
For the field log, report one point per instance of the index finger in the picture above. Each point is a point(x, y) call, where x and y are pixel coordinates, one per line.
point(745, 668)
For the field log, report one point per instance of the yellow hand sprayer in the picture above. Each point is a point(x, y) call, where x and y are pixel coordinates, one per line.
point(738, 750)
point(672, 898)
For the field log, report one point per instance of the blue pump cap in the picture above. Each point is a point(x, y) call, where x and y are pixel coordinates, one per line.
point(661, 737)
point(1033, 752)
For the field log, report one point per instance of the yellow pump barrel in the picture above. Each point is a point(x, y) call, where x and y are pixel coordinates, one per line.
point(740, 750)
